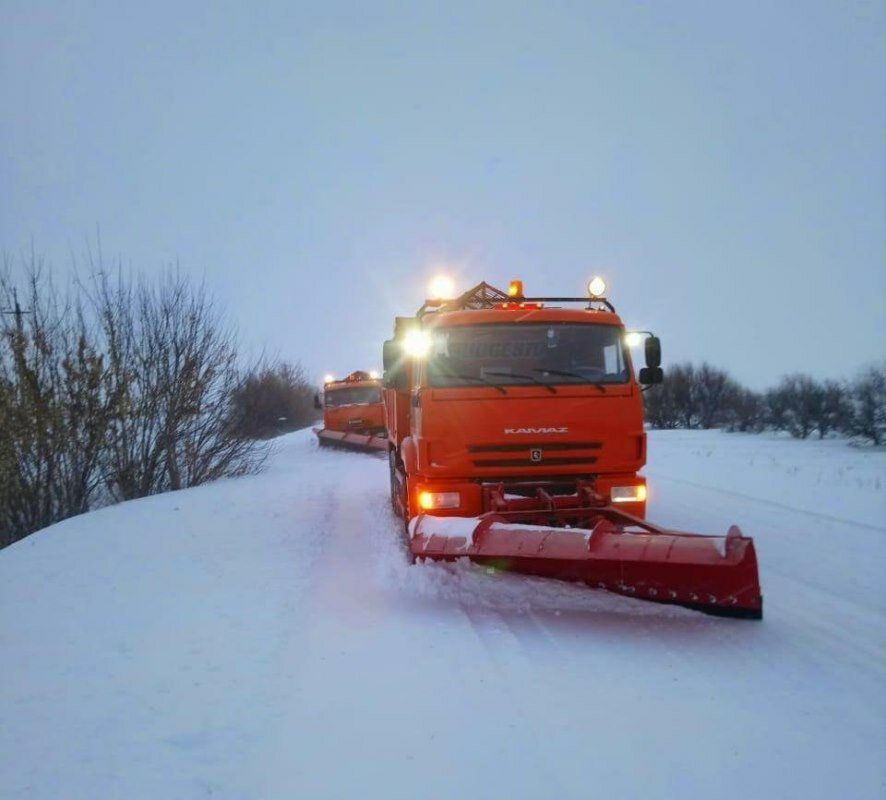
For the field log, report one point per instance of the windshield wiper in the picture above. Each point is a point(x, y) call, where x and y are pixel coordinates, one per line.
point(476, 378)
point(568, 374)
point(547, 386)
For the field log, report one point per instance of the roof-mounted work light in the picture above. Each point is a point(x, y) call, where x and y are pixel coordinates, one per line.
point(515, 289)
point(596, 287)
point(328, 378)
point(442, 287)
point(417, 343)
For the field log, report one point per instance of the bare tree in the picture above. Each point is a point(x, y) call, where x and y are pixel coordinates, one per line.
point(869, 404)
point(833, 410)
point(174, 364)
point(776, 409)
point(674, 403)
point(799, 400)
point(711, 388)
point(659, 407)
point(744, 410)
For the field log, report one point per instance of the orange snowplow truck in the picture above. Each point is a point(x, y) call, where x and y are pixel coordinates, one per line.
point(515, 436)
point(353, 413)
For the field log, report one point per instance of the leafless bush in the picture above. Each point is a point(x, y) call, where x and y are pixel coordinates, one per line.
point(272, 400)
point(834, 412)
point(660, 408)
point(173, 362)
point(713, 389)
point(801, 405)
point(673, 404)
point(797, 398)
point(55, 406)
point(109, 391)
point(745, 411)
point(691, 397)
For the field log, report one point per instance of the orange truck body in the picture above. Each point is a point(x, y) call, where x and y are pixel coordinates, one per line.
point(353, 413)
point(354, 406)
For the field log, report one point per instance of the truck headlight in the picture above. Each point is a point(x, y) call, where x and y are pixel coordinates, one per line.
point(417, 343)
point(429, 501)
point(628, 494)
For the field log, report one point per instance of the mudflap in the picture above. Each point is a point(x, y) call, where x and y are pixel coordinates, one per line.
point(616, 552)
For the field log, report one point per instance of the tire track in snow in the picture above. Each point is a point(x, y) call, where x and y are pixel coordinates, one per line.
point(534, 709)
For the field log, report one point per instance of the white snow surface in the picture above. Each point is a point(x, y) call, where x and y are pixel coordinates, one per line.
point(265, 637)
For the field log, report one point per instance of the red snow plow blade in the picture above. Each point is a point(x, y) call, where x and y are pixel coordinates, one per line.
point(606, 549)
point(349, 440)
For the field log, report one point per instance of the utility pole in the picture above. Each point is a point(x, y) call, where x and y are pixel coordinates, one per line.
point(16, 311)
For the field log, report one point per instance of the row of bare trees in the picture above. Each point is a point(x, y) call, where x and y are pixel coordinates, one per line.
point(708, 397)
point(273, 399)
point(115, 389)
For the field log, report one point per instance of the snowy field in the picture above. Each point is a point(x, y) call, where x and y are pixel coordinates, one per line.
point(265, 638)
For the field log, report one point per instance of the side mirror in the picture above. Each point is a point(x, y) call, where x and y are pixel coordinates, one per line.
point(317, 404)
point(392, 360)
point(389, 353)
point(651, 375)
point(653, 353)
point(395, 379)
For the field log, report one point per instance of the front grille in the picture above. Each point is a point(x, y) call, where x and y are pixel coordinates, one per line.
point(528, 462)
point(543, 448)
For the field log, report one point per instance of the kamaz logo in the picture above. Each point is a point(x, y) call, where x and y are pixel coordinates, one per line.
point(536, 430)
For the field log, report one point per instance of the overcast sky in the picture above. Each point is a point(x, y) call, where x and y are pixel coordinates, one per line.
point(720, 163)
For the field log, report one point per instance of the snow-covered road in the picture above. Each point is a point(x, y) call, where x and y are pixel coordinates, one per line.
point(265, 638)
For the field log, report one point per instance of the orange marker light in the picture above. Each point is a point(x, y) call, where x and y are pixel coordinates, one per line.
point(628, 494)
point(515, 289)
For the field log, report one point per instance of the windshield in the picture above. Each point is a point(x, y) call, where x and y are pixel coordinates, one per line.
point(520, 354)
point(352, 395)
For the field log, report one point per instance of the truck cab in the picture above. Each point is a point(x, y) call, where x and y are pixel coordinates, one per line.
point(353, 404)
point(496, 395)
